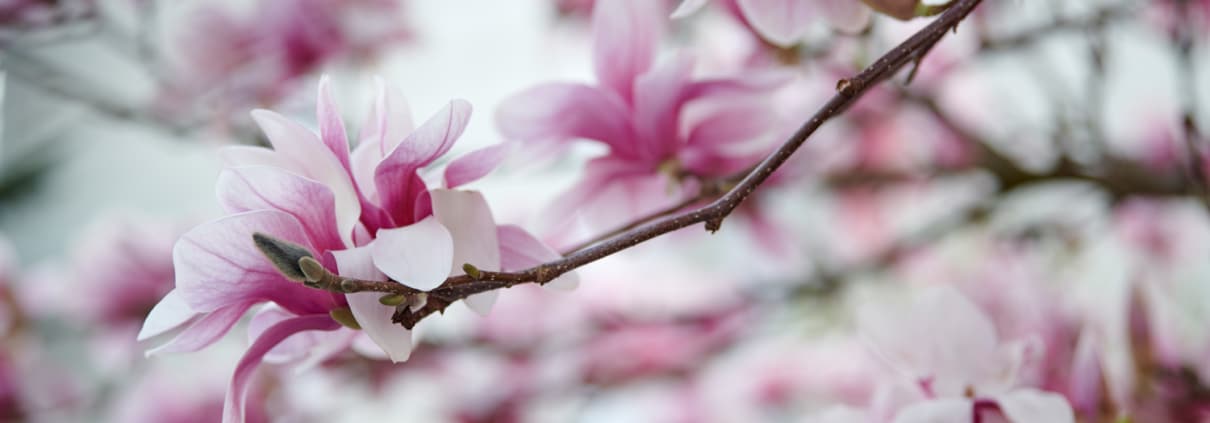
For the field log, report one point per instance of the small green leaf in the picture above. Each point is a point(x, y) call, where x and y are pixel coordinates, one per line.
point(392, 299)
point(471, 270)
point(283, 254)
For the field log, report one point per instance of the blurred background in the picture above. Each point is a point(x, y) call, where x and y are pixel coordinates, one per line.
point(1048, 159)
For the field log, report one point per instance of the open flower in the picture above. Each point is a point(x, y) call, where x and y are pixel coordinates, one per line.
point(947, 351)
point(658, 122)
point(368, 214)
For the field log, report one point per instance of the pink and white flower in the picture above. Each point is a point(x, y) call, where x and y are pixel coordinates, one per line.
point(367, 214)
point(946, 351)
point(659, 123)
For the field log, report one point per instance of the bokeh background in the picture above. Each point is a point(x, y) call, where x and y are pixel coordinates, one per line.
point(1048, 159)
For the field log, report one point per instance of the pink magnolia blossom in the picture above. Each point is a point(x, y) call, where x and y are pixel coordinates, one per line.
point(658, 122)
point(786, 22)
point(258, 58)
point(946, 350)
point(122, 266)
point(367, 214)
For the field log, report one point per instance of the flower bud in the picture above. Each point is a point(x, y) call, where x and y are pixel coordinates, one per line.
point(471, 270)
point(284, 255)
point(392, 299)
point(345, 317)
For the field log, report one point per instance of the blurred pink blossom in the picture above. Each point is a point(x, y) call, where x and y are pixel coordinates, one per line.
point(259, 57)
point(785, 23)
point(947, 351)
point(659, 123)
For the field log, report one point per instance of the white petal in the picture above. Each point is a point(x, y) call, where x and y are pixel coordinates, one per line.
point(469, 220)
point(418, 255)
point(168, 314)
point(374, 318)
point(1031, 405)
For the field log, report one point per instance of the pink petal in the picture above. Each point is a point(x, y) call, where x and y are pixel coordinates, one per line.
point(559, 112)
point(729, 138)
point(331, 126)
point(658, 98)
point(418, 255)
point(781, 22)
point(204, 331)
point(217, 265)
point(946, 410)
point(388, 123)
point(940, 336)
point(470, 224)
point(474, 165)
point(266, 188)
point(374, 318)
point(625, 34)
point(688, 7)
point(847, 16)
point(615, 191)
point(168, 314)
point(395, 175)
point(233, 407)
point(308, 156)
point(1031, 405)
point(520, 250)
point(758, 83)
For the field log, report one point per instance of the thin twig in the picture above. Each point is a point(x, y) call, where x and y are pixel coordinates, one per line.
point(712, 215)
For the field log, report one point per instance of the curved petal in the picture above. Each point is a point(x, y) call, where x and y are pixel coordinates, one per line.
point(781, 22)
point(418, 255)
point(466, 215)
point(374, 318)
point(520, 250)
point(564, 111)
point(233, 405)
point(168, 314)
point(483, 302)
point(218, 265)
point(388, 123)
point(688, 7)
point(204, 331)
point(658, 98)
point(1031, 405)
point(941, 335)
point(625, 34)
point(307, 155)
point(331, 126)
point(847, 16)
point(394, 176)
point(266, 188)
point(946, 410)
point(474, 165)
point(758, 83)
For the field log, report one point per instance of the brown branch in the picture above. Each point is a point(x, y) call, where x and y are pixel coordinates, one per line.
point(849, 90)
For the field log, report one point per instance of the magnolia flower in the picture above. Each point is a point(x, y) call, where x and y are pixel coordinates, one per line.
point(944, 348)
point(368, 214)
point(786, 22)
point(258, 57)
point(658, 123)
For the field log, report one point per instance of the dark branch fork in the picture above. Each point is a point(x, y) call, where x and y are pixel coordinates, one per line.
point(712, 214)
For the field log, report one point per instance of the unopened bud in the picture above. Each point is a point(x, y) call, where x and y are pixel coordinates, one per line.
point(471, 270)
point(392, 299)
point(311, 269)
point(284, 255)
point(345, 317)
